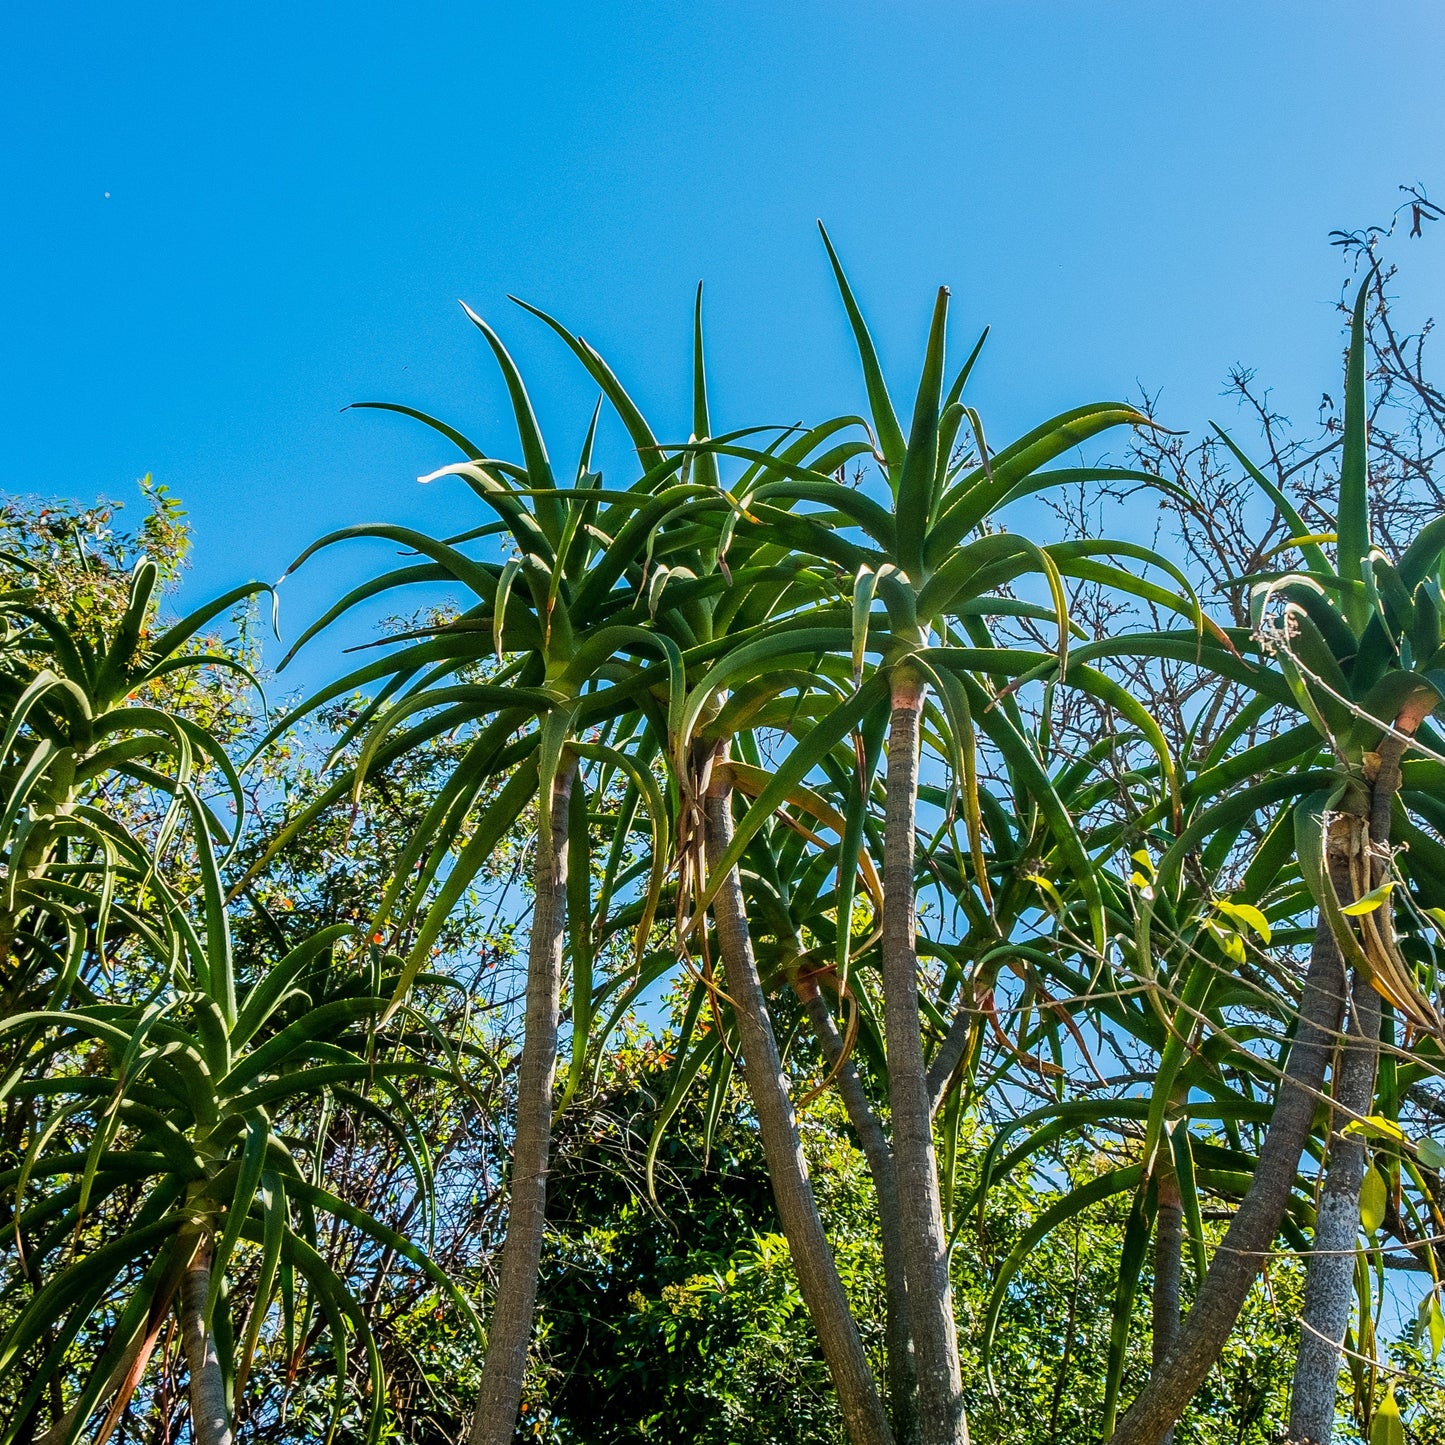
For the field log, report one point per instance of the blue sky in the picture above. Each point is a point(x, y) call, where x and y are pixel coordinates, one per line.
point(298, 195)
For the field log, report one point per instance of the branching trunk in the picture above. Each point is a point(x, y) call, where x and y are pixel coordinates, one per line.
point(902, 1377)
point(1251, 1233)
point(510, 1332)
point(925, 1247)
point(210, 1424)
point(1330, 1275)
point(812, 1256)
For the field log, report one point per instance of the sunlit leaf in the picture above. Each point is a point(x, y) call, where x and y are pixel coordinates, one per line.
point(1369, 902)
point(1374, 1197)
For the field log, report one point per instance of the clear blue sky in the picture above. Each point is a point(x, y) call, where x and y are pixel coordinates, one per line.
point(298, 194)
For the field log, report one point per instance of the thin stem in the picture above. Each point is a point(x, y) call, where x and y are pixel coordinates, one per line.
point(510, 1333)
point(1330, 1274)
point(1168, 1261)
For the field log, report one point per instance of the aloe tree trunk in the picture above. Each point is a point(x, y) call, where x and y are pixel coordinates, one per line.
point(1168, 1261)
point(209, 1422)
point(898, 1337)
point(925, 1246)
point(510, 1332)
point(1251, 1234)
point(818, 1280)
point(1330, 1275)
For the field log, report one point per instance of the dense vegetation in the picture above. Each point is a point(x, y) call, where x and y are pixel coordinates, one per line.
point(780, 955)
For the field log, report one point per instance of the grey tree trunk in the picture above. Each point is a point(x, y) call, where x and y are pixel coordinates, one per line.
point(1251, 1234)
point(210, 1424)
point(902, 1376)
point(925, 1247)
point(1330, 1274)
point(818, 1280)
point(1168, 1262)
point(510, 1332)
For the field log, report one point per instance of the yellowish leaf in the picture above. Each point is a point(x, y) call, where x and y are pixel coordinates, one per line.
point(1048, 888)
point(1373, 1197)
point(1370, 902)
point(1247, 914)
point(1376, 1126)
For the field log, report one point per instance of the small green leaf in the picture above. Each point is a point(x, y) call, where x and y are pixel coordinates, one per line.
point(499, 606)
point(1373, 1196)
point(1431, 1153)
point(1312, 539)
point(1370, 902)
point(1352, 523)
point(1387, 1428)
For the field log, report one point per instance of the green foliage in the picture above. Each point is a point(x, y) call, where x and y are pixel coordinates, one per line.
point(688, 1317)
point(264, 1024)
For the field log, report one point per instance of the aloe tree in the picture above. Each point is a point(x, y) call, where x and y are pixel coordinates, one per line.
point(86, 725)
point(162, 1144)
point(798, 932)
point(1355, 647)
point(916, 556)
point(537, 694)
